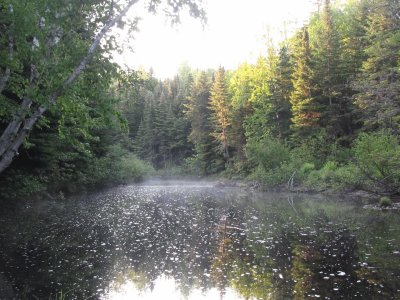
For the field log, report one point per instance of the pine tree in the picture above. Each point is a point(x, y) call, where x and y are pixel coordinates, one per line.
point(352, 27)
point(199, 114)
point(221, 116)
point(305, 109)
point(240, 91)
point(280, 87)
point(330, 77)
point(379, 83)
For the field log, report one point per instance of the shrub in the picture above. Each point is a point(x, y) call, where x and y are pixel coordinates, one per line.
point(385, 201)
point(306, 169)
point(348, 176)
point(19, 184)
point(333, 176)
point(317, 147)
point(130, 168)
point(117, 166)
point(269, 153)
point(324, 177)
point(378, 156)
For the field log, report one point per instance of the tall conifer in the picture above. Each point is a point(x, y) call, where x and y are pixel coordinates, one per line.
point(221, 113)
point(305, 109)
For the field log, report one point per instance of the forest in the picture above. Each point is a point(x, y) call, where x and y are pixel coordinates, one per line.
point(320, 111)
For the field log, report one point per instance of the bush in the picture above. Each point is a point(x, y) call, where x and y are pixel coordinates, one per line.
point(333, 176)
point(130, 168)
point(194, 165)
point(302, 155)
point(307, 168)
point(18, 184)
point(348, 176)
point(269, 153)
point(324, 177)
point(385, 201)
point(318, 147)
point(118, 166)
point(378, 156)
point(276, 163)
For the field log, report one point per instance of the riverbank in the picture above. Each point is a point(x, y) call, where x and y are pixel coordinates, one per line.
point(370, 199)
point(219, 181)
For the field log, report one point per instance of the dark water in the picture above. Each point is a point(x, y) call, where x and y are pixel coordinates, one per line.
point(186, 240)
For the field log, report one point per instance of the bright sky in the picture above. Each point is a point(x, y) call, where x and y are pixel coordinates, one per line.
point(235, 33)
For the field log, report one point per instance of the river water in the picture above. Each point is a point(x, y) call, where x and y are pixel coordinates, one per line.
point(192, 240)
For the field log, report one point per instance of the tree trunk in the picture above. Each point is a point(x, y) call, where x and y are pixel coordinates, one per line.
point(4, 77)
point(15, 134)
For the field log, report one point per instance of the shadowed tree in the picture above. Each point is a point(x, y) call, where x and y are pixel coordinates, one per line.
point(379, 82)
point(221, 112)
point(46, 47)
point(305, 109)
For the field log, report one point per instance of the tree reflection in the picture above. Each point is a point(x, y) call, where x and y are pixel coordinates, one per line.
point(262, 248)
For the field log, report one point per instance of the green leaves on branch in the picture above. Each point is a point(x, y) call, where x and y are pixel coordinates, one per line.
point(378, 156)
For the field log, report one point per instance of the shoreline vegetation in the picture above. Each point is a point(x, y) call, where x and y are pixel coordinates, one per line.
point(318, 112)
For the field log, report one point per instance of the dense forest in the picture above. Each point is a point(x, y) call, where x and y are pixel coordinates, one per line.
point(321, 110)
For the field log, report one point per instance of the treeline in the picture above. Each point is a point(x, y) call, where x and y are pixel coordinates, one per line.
point(322, 109)
point(53, 76)
point(83, 145)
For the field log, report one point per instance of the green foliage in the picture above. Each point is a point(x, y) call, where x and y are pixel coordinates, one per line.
point(117, 166)
point(348, 176)
point(306, 169)
point(221, 112)
point(378, 156)
point(270, 153)
point(378, 84)
point(385, 201)
point(274, 161)
point(333, 176)
point(20, 184)
point(323, 177)
point(305, 108)
point(318, 147)
point(294, 114)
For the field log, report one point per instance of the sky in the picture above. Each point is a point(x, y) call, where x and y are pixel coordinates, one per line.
point(235, 32)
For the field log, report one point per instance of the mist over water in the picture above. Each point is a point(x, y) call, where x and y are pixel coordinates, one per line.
point(193, 240)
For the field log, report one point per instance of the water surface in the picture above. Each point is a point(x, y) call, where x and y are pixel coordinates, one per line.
point(191, 240)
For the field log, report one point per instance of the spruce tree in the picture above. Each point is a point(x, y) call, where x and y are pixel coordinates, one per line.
point(199, 114)
point(330, 74)
point(221, 112)
point(378, 84)
point(305, 109)
point(281, 87)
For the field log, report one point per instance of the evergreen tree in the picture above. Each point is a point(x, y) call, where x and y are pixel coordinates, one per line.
point(352, 30)
point(333, 71)
point(198, 112)
point(181, 145)
point(378, 84)
point(305, 109)
point(240, 89)
point(280, 88)
point(221, 112)
point(46, 48)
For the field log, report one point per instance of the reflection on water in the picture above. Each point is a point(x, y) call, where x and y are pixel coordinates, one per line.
point(164, 288)
point(192, 241)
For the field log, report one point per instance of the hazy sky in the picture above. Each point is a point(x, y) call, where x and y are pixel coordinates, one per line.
point(235, 32)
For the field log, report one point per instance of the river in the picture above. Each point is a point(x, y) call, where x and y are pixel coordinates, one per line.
point(193, 240)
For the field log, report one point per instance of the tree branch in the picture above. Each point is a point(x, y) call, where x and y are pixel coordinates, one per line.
point(13, 136)
point(83, 63)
